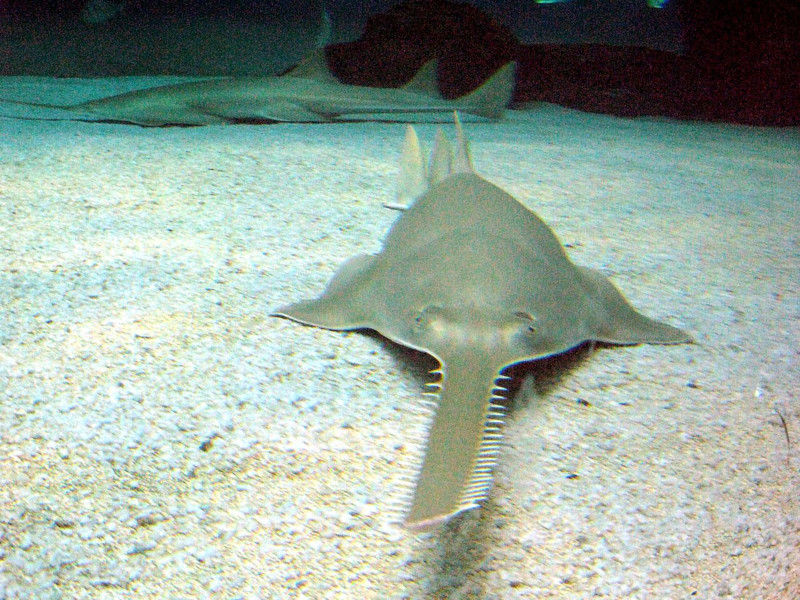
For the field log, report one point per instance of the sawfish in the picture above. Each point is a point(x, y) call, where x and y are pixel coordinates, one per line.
point(308, 93)
point(477, 280)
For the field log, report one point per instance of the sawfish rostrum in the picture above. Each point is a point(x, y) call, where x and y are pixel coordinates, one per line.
point(472, 277)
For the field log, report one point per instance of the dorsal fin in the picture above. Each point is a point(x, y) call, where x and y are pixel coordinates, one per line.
point(313, 66)
point(441, 158)
point(325, 33)
point(424, 81)
point(462, 161)
point(412, 180)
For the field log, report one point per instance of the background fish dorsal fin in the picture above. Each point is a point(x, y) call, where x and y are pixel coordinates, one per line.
point(325, 33)
point(424, 81)
point(313, 66)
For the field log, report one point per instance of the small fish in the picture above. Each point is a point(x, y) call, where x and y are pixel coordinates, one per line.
point(650, 3)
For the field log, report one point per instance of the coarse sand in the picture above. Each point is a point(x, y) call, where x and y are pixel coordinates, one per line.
point(162, 437)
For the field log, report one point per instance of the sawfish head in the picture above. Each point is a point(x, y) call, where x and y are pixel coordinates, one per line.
point(472, 277)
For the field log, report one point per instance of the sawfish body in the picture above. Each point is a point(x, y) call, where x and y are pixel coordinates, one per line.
point(474, 278)
point(308, 93)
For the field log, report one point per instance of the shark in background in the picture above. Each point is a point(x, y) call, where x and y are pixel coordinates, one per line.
point(309, 93)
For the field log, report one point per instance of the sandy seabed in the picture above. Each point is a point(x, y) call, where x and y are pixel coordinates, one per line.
point(162, 437)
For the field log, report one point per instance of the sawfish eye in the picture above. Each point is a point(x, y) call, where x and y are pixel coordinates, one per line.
point(526, 316)
point(422, 317)
point(428, 315)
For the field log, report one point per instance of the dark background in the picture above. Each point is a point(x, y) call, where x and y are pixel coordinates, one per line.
point(719, 60)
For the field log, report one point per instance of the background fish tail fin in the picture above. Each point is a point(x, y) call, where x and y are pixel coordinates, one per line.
point(491, 98)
